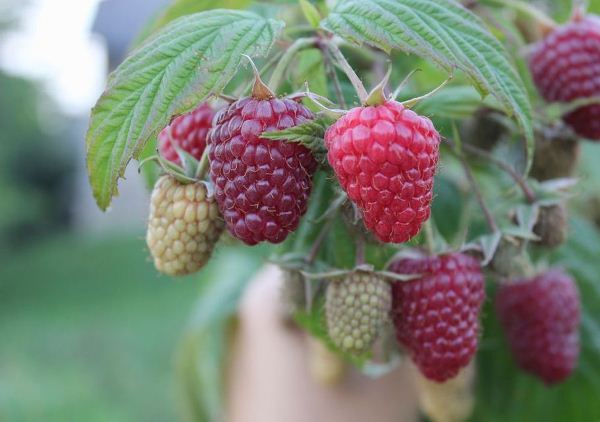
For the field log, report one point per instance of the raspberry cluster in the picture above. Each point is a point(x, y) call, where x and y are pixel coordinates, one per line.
point(436, 316)
point(565, 67)
point(385, 158)
point(188, 132)
point(262, 186)
point(183, 226)
point(357, 307)
point(540, 316)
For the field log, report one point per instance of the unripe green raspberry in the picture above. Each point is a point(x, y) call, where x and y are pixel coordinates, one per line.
point(357, 308)
point(183, 227)
point(552, 225)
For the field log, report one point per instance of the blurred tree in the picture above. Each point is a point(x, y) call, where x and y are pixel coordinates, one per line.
point(34, 169)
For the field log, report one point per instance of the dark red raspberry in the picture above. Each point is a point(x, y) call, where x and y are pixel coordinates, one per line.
point(385, 158)
point(541, 319)
point(189, 132)
point(566, 66)
point(262, 186)
point(437, 315)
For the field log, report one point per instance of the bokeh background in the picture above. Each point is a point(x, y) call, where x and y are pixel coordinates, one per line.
point(88, 330)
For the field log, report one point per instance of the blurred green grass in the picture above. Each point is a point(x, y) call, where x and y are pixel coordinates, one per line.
point(88, 331)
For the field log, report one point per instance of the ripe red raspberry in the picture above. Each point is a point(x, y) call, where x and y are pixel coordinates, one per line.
point(437, 315)
point(262, 186)
point(385, 158)
point(565, 67)
point(541, 319)
point(188, 132)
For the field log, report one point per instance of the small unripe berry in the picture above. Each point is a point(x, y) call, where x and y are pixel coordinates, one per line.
point(357, 307)
point(183, 226)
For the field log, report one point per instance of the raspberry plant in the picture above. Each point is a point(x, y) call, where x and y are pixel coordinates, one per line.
point(389, 209)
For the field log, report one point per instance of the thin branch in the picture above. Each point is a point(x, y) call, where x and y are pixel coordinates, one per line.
point(519, 180)
point(316, 247)
point(478, 196)
point(286, 59)
point(332, 75)
point(360, 250)
point(350, 73)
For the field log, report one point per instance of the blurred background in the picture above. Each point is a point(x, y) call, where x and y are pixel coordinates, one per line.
point(88, 328)
point(89, 331)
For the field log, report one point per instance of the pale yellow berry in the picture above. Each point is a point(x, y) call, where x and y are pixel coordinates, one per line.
point(183, 226)
point(357, 308)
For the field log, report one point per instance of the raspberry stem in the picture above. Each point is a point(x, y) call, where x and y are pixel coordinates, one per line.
point(521, 182)
point(286, 59)
point(477, 192)
point(332, 75)
point(345, 66)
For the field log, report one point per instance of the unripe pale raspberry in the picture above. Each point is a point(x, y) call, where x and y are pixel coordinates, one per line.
point(189, 132)
point(262, 186)
point(540, 317)
point(557, 151)
point(183, 227)
point(357, 308)
point(385, 158)
point(436, 316)
point(565, 67)
point(449, 401)
point(551, 226)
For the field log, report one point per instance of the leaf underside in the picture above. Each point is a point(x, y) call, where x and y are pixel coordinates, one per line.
point(183, 64)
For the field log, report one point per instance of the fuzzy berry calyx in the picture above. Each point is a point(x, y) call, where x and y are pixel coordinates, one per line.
point(385, 158)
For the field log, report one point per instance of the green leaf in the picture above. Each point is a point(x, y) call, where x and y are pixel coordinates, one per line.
point(179, 8)
point(444, 32)
point(310, 134)
point(190, 59)
point(454, 102)
point(311, 13)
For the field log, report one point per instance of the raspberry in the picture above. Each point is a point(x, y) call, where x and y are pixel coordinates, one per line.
point(357, 308)
point(385, 158)
point(183, 227)
point(437, 315)
point(541, 317)
point(188, 132)
point(551, 226)
point(262, 186)
point(565, 67)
